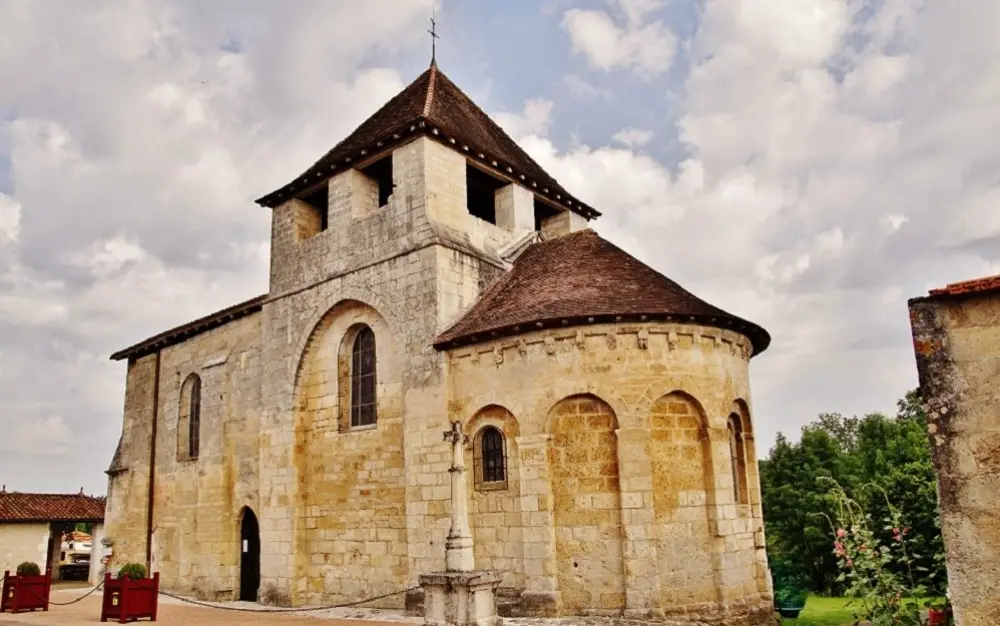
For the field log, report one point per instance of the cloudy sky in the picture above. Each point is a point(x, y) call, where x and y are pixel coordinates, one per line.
point(809, 165)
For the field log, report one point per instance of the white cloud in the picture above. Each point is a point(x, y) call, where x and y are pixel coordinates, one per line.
point(633, 137)
point(645, 47)
point(10, 219)
point(580, 87)
point(533, 120)
point(48, 436)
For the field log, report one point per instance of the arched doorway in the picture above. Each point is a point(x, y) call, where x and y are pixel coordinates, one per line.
point(249, 556)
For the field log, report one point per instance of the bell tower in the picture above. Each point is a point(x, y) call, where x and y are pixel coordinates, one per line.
point(428, 167)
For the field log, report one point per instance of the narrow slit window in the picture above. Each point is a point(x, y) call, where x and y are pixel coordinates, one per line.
point(737, 460)
point(363, 378)
point(194, 421)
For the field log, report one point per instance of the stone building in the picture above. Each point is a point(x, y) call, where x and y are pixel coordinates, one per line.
point(956, 339)
point(426, 270)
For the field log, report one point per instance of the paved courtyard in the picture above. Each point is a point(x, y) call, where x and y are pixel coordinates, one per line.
point(175, 612)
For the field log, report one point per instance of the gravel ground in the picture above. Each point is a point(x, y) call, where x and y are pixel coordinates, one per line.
point(175, 612)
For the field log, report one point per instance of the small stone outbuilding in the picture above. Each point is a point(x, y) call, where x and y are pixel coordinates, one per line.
point(956, 339)
point(288, 449)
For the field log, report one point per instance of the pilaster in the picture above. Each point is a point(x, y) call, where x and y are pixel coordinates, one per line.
point(515, 208)
point(540, 594)
point(642, 583)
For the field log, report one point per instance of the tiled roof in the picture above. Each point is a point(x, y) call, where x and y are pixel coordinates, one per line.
point(978, 285)
point(433, 105)
point(184, 331)
point(50, 507)
point(581, 276)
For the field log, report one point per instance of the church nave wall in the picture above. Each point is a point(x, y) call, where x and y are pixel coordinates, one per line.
point(206, 460)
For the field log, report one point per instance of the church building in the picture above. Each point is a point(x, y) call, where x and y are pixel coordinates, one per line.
point(288, 449)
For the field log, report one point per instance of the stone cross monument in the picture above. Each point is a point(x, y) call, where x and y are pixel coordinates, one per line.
point(458, 553)
point(460, 595)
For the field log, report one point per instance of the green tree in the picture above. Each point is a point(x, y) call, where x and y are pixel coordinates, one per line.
point(891, 453)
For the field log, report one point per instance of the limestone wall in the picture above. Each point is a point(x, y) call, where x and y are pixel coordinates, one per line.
point(23, 542)
point(198, 500)
point(128, 487)
point(957, 343)
point(621, 467)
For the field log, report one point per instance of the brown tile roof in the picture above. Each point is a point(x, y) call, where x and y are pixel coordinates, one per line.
point(190, 329)
point(50, 507)
point(433, 105)
point(977, 285)
point(580, 276)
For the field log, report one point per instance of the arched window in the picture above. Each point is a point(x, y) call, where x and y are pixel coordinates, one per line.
point(737, 458)
point(189, 419)
point(363, 378)
point(490, 459)
point(493, 457)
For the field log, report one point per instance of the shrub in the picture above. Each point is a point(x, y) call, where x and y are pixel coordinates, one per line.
point(28, 569)
point(790, 583)
point(134, 571)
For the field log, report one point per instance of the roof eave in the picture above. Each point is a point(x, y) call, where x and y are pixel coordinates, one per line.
point(53, 520)
point(759, 338)
point(190, 329)
point(416, 127)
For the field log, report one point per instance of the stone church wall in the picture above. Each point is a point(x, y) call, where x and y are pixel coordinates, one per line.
point(197, 501)
point(957, 343)
point(128, 487)
point(620, 474)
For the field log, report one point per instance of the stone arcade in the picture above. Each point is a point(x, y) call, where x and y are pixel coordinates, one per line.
point(427, 271)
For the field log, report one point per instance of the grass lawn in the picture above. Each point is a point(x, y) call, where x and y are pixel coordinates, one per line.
point(821, 611)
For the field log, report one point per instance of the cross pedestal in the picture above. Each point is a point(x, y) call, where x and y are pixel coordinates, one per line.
point(460, 595)
point(462, 598)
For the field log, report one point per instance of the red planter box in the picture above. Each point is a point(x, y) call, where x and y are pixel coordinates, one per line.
point(128, 600)
point(25, 593)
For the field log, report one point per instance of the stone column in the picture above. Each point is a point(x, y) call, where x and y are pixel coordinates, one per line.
point(458, 552)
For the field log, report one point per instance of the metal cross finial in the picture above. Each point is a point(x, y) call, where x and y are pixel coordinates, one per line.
point(434, 38)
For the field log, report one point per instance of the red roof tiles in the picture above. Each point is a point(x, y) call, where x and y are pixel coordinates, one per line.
point(580, 276)
point(435, 106)
point(50, 507)
point(977, 285)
